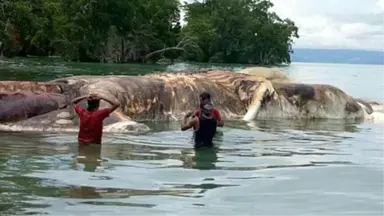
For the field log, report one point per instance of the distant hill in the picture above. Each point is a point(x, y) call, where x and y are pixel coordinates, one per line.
point(345, 56)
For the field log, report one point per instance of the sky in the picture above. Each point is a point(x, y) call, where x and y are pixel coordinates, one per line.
point(345, 24)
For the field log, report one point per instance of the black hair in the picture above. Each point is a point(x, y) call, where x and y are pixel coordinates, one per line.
point(93, 104)
point(205, 96)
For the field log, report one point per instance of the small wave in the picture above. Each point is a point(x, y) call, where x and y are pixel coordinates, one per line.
point(378, 114)
point(378, 117)
point(378, 107)
point(181, 67)
point(128, 127)
point(17, 128)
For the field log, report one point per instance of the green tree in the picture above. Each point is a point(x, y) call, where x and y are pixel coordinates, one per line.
point(25, 25)
point(83, 30)
point(232, 31)
point(239, 31)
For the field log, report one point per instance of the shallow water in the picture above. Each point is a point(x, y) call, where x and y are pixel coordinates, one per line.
point(266, 168)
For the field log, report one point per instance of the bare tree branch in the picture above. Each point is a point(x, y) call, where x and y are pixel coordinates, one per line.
point(146, 57)
point(184, 45)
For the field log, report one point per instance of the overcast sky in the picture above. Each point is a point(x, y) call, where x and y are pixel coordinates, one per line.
point(356, 24)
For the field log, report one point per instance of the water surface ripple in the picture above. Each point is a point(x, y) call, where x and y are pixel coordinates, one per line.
point(274, 167)
point(265, 170)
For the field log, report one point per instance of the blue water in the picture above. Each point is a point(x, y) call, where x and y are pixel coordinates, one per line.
point(267, 168)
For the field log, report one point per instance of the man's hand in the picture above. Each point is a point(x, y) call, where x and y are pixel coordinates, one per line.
point(186, 124)
point(78, 99)
point(114, 104)
point(188, 115)
point(94, 97)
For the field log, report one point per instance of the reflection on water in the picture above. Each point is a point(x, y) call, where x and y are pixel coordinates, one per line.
point(89, 156)
point(44, 69)
point(292, 167)
point(272, 167)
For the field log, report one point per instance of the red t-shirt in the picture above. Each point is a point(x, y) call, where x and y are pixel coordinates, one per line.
point(215, 114)
point(91, 124)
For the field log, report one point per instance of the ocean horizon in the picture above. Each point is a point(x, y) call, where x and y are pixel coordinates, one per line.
point(348, 56)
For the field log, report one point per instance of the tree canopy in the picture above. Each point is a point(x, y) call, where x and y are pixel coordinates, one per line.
point(227, 31)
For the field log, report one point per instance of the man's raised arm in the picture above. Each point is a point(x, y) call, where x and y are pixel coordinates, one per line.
point(114, 105)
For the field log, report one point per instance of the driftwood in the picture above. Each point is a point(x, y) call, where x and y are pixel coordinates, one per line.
point(181, 46)
point(149, 55)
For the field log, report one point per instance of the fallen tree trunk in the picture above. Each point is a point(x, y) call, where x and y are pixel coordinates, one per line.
point(149, 55)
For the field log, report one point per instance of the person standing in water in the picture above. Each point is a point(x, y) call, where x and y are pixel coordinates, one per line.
point(204, 125)
point(91, 119)
point(205, 96)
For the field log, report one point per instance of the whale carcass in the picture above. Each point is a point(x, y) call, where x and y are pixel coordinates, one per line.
point(168, 96)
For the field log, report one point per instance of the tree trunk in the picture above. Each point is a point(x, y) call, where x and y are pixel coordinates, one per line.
point(122, 51)
point(1, 49)
point(149, 55)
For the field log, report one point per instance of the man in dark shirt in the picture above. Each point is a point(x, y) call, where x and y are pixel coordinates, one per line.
point(205, 96)
point(204, 125)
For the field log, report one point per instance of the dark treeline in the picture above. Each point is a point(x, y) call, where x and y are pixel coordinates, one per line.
point(220, 31)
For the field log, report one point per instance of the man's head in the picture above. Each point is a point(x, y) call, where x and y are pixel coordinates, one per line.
point(206, 108)
point(205, 96)
point(93, 104)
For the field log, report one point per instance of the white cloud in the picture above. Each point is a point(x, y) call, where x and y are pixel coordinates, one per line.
point(356, 24)
point(380, 3)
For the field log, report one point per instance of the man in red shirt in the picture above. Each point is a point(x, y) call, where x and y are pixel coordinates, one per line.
point(206, 97)
point(91, 119)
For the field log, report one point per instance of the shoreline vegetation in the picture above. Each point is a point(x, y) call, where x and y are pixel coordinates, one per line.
point(146, 31)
